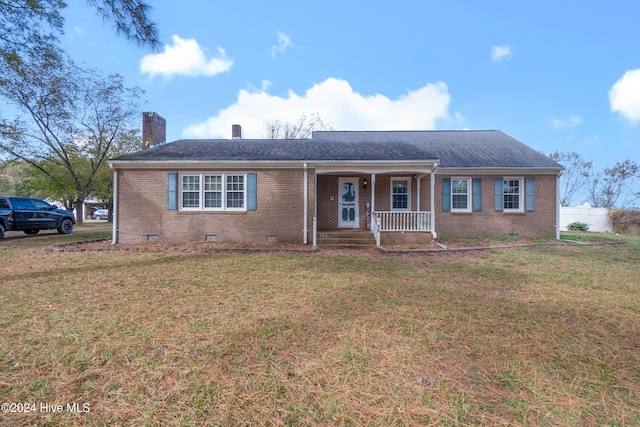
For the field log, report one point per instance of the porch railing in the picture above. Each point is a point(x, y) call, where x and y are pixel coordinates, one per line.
point(402, 221)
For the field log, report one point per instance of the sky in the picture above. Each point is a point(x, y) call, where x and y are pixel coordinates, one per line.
point(556, 75)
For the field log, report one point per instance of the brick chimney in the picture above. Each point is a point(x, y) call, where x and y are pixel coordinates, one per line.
point(154, 129)
point(236, 132)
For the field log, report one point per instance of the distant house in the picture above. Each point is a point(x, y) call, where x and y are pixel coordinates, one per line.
point(403, 186)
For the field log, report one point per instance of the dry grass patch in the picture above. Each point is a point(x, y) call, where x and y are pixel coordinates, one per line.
point(539, 336)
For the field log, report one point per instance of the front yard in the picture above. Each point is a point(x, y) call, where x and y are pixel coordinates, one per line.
point(543, 335)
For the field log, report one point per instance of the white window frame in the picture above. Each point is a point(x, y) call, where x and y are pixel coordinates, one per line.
point(400, 178)
point(468, 194)
point(225, 190)
point(521, 194)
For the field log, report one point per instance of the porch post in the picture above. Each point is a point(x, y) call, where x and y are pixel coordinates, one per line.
point(418, 179)
point(373, 193)
point(432, 201)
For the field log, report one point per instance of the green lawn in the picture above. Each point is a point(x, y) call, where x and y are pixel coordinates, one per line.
point(540, 336)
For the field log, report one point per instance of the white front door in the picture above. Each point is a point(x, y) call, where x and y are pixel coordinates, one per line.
point(348, 212)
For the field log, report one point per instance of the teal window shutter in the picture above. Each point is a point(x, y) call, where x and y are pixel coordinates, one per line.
point(446, 194)
point(172, 199)
point(498, 193)
point(531, 194)
point(477, 194)
point(252, 192)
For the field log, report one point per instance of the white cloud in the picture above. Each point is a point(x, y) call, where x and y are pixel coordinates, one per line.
point(284, 41)
point(566, 123)
point(185, 58)
point(337, 105)
point(498, 53)
point(624, 96)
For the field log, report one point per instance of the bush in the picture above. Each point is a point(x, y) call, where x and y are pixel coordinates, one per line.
point(625, 222)
point(578, 226)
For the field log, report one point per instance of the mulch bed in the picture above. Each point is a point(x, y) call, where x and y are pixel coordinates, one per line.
point(210, 247)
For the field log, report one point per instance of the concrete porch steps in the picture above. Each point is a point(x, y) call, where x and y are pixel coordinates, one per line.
point(345, 239)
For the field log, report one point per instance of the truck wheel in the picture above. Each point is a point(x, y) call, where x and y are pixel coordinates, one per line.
point(1, 231)
point(66, 226)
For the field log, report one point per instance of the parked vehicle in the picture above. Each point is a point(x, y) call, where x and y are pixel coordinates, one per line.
point(101, 214)
point(32, 215)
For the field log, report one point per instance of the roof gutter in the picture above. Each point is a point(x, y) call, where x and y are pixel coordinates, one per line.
point(501, 170)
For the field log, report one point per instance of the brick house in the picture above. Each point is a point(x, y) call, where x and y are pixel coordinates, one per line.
point(402, 186)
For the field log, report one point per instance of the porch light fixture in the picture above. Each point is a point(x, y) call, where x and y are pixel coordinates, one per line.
point(364, 183)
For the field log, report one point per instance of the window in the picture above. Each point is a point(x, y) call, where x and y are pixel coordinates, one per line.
point(512, 192)
point(235, 191)
point(191, 191)
point(212, 192)
point(400, 191)
point(460, 195)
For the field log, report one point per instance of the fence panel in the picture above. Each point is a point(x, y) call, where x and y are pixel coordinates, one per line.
point(596, 218)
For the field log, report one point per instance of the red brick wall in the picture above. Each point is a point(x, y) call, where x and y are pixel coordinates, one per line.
point(142, 210)
point(492, 223)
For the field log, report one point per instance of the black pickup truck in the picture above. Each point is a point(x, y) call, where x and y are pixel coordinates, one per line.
point(32, 215)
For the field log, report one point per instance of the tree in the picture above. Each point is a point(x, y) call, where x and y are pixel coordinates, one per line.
point(614, 186)
point(126, 142)
point(574, 177)
point(130, 19)
point(11, 174)
point(302, 129)
point(27, 25)
point(70, 119)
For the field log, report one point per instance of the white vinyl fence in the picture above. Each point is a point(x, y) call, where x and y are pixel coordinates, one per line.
point(596, 218)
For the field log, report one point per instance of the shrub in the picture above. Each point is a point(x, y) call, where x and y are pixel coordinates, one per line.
point(625, 222)
point(578, 226)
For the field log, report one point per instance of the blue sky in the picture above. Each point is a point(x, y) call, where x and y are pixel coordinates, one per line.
point(557, 75)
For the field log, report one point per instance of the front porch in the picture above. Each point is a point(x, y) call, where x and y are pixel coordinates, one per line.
point(393, 207)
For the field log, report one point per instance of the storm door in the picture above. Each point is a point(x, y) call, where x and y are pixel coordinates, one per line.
point(348, 212)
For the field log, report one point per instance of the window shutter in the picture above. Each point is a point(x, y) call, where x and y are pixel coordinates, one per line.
point(531, 194)
point(252, 192)
point(171, 191)
point(499, 202)
point(477, 194)
point(446, 194)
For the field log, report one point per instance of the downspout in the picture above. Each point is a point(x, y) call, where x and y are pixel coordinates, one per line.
point(558, 205)
point(315, 208)
point(306, 205)
point(432, 201)
point(114, 213)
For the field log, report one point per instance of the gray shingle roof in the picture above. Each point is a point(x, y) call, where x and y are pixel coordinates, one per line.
point(454, 149)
